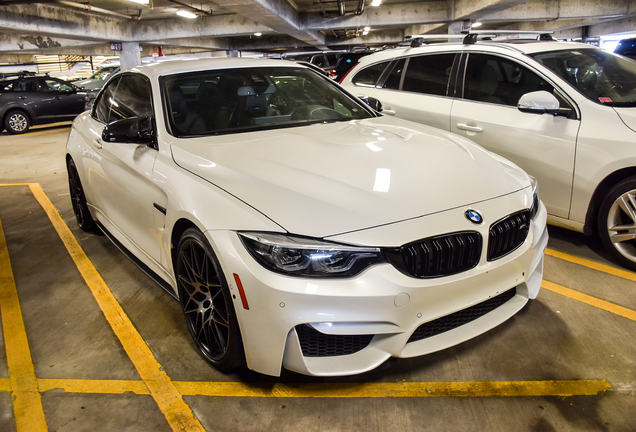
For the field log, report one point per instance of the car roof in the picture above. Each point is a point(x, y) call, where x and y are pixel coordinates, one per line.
point(194, 65)
point(521, 46)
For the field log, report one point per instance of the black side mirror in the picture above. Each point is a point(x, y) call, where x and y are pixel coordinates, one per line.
point(375, 104)
point(134, 130)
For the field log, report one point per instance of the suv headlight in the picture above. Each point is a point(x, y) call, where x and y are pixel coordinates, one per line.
point(308, 257)
point(535, 197)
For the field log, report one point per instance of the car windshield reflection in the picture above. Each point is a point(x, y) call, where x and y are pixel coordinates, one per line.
point(602, 77)
point(239, 100)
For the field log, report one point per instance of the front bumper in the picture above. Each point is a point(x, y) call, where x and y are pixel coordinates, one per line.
point(381, 302)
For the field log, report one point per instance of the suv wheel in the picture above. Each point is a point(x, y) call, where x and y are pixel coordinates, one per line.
point(617, 223)
point(17, 122)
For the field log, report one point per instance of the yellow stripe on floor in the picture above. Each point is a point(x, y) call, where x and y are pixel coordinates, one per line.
point(393, 390)
point(162, 389)
point(94, 386)
point(27, 402)
point(625, 274)
point(588, 299)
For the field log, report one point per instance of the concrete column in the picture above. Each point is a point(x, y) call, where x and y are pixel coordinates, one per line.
point(455, 27)
point(129, 55)
point(232, 53)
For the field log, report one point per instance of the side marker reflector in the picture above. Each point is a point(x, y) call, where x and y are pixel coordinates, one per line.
point(239, 285)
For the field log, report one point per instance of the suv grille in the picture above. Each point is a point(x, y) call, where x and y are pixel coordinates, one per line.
point(316, 344)
point(508, 234)
point(437, 256)
point(459, 318)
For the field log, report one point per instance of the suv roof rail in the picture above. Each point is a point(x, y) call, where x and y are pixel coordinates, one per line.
point(20, 74)
point(470, 37)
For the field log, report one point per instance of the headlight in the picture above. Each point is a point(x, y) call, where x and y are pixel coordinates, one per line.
point(535, 197)
point(308, 257)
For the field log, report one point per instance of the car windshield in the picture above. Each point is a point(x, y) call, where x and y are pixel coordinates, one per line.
point(602, 77)
point(247, 99)
point(102, 73)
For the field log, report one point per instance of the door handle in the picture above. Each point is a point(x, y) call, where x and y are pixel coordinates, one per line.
point(469, 128)
point(98, 143)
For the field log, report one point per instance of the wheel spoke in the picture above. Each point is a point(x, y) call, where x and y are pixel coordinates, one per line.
point(627, 203)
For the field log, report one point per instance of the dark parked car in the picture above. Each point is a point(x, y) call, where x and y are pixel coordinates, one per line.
point(627, 48)
point(27, 99)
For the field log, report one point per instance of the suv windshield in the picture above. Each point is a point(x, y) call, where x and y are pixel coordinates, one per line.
point(602, 77)
point(241, 100)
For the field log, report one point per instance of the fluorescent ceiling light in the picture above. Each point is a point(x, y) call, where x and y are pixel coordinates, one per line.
point(366, 29)
point(258, 34)
point(476, 24)
point(141, 1)
point(376, 2)
point(186, 14)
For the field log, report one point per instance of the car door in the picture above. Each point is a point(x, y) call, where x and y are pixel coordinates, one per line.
point(417, 88)
point(30, 94)
point(67, 101)
point(541, 144)
point(120, 174)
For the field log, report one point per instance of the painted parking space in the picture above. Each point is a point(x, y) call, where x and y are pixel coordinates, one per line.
point(169, 395)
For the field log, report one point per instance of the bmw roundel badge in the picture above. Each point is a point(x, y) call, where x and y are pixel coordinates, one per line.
point(474, 216)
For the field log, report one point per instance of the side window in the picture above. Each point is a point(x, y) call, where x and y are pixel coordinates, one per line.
point(395, 76)
point(53, 85)
point(498, 80)
point(429, 74)
point(8, 85)
point(367, 77)
point(30, 85)
point(132, 99)
point(102, 105)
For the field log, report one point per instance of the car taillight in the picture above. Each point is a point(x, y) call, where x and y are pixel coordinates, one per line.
point(86, 98)
point(333, 72)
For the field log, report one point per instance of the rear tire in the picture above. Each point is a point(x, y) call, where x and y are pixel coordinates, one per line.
point(616, 223)
point(17, 122)
point(207, 304)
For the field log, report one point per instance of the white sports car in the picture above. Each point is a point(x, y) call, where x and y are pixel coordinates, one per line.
point(297, 227)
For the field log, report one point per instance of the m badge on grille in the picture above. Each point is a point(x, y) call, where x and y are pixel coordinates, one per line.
point(474, 216)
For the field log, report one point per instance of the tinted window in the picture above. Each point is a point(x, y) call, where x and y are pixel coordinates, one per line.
point(498, 80)
point(369, 76)
point(395, 77)
point(241, 100)
point(29, 85)
point(8, 85)
point(102, 106)
point(132, 99)
point(428, 74)
point(54, 85)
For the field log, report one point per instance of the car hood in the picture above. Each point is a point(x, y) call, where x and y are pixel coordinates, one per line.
point(90, 84)
point(628, 116)
point(333, 178)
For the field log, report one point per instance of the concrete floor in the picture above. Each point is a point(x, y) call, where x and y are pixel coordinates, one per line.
point(86, 380)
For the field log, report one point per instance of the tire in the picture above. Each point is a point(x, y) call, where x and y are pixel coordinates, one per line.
point(78, 199)
point(206, 303)
point(616, 223)
point(17, 122)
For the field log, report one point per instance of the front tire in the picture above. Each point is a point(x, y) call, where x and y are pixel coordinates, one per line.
point(206, 303)
point(616, 223)
point(17, 122)
point(78, 199)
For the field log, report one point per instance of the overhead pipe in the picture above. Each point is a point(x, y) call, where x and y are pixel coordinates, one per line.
point(89, 8)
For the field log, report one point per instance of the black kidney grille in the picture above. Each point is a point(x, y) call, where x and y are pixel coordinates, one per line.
point(508, 234)
point(461, 317)
point(316, 344)
point(437, 256)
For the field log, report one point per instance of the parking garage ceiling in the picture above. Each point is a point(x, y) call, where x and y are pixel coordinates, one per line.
point(87, 28)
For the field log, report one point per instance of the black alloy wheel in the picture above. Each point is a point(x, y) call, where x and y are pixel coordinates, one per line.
point(207, 304)
point(78, 200)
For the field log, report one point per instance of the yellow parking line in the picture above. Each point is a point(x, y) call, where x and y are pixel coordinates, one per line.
point(592, 301)
point(5, 384)
point(94, 386)
point(392, 390)
point(162, 389)
point(593, 265)
point(27, 403)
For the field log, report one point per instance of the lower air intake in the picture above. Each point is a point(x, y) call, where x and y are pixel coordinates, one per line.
point(454, 320)
point(316, 344)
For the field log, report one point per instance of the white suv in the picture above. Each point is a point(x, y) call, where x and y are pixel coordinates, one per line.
point(564, 112)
